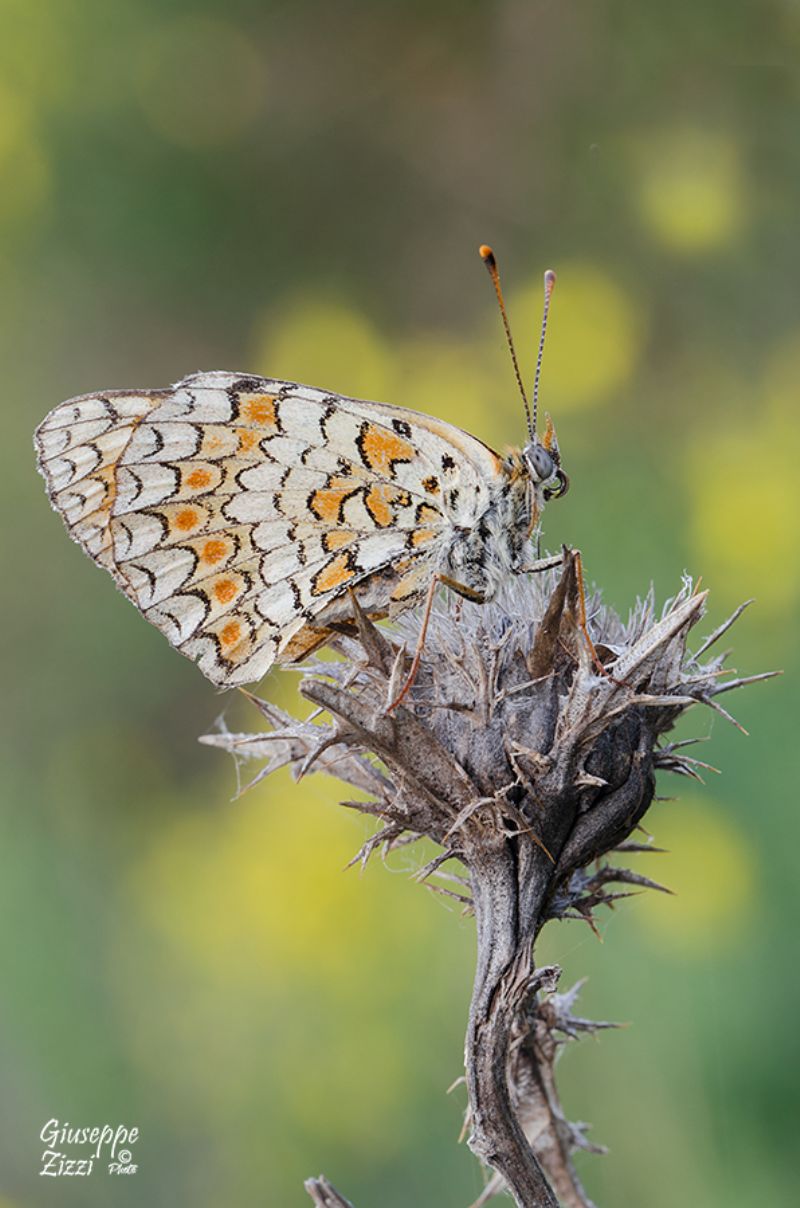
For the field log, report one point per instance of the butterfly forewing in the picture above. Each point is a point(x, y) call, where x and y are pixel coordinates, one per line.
point(236, 511)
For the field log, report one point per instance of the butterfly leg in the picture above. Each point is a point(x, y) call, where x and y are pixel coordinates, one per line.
point(467, 592)
point(542, 564)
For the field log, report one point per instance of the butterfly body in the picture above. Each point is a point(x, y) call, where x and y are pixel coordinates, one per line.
point(238, 512)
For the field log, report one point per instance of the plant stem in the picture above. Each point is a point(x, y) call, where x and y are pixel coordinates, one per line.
point(504, 968)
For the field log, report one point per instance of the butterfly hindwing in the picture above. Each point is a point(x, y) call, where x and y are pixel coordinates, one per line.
point(236, 511)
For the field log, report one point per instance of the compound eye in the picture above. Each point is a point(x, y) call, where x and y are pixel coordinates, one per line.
point(540, 462)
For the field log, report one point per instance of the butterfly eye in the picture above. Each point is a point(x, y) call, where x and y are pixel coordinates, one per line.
point(561, 489)
point(540, 463)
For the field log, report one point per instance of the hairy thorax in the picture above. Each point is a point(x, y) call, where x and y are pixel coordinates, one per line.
point(498, 543)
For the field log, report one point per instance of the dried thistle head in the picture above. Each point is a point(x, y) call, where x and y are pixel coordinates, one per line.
point(509, 731)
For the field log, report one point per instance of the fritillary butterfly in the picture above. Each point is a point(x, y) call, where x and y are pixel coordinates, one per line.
point(238, 513)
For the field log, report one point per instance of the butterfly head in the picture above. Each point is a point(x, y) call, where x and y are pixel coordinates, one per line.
point(543, 463)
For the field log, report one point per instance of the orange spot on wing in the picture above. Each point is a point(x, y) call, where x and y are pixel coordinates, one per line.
point(187, 519)
point(377, 505)
point(225, 590)
point(381, 448)
point(260, 409)
point(248, 439)
point(422, 535)
point(231, 633)
point(336, 539)
point(337, 572)
point(326, 503)
point(198, 479)
point(213, 551)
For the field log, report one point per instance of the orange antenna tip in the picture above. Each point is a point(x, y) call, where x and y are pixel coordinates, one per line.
point(486, 253)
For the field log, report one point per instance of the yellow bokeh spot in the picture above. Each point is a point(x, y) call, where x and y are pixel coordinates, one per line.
point(327, 345)
point(710, 868)
point(259, 884)
point(252, 902)
point(745, 495)
point(40, 49)
point(594, 337)
point(200, 82)
point(691, 193)
point(15, 120)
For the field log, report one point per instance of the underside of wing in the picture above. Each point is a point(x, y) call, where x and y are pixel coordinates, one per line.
point(236, 512)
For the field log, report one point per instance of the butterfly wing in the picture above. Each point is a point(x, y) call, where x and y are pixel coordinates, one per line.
point(236, 511)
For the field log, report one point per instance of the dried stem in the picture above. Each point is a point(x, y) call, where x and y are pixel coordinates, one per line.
point(505, 955)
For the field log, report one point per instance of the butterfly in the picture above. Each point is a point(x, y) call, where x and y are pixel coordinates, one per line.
point(240, 513)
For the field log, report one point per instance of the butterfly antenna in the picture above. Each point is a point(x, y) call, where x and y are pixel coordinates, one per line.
point(549, 286)
point(487, 256)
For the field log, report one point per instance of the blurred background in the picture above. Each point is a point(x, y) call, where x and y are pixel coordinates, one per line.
point(299, 189)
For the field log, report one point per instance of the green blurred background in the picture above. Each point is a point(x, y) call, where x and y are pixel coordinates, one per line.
point(300, 189)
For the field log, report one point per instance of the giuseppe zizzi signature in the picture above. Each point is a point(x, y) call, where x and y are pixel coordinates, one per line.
point(79, 1151)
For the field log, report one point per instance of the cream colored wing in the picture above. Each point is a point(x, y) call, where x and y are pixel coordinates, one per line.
point(232, 509)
